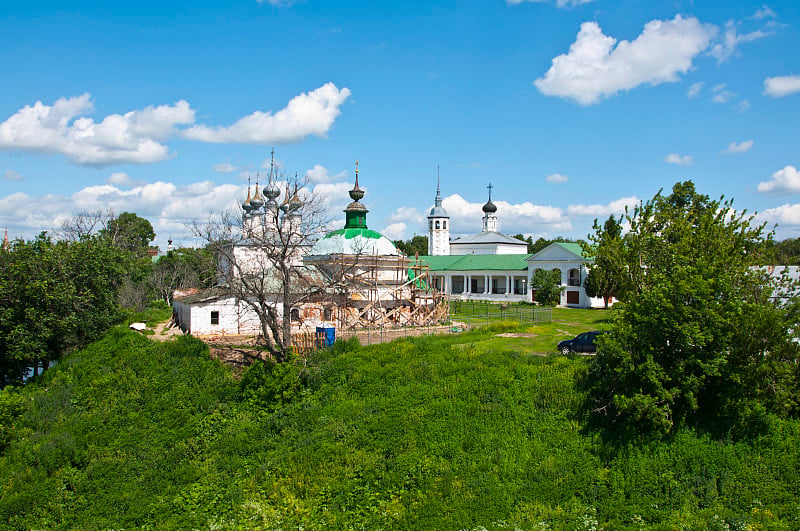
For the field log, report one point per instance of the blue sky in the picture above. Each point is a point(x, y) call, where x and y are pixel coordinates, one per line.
point(572, 109)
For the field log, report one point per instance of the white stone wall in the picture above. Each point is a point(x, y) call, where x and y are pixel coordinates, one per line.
point(480, 248)
point(584, 301)
point(487, 248)
point(439, 240)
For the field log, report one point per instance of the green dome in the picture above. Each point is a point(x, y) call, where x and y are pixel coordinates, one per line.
point(354, 242)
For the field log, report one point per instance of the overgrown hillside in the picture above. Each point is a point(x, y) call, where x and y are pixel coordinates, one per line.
point(447, 432)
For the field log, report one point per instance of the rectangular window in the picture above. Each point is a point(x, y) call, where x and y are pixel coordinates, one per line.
point(214, 317)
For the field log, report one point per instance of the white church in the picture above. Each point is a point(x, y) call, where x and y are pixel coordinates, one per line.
point(492, 266)
point(350, 278)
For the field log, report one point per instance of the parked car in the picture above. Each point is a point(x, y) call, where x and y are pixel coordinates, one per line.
point(581, 343)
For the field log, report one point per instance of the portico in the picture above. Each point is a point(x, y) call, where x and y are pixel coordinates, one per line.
point(480, 277)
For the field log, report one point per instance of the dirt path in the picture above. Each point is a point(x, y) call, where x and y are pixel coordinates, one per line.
point(162, 333)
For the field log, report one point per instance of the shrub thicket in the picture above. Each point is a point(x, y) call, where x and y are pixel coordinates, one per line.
point(438, 432)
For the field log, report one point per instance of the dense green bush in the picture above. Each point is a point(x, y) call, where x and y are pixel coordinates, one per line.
point(701, 340)
point(270, 385)
point(423, 433)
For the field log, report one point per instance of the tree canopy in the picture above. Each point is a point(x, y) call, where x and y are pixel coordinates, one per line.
point(699, 339)
point(417, 245)
point(607, 277)
point(54, 296)
point(130, 232)
point(547, 286)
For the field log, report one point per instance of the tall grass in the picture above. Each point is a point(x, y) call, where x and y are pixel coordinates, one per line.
point(442, 432)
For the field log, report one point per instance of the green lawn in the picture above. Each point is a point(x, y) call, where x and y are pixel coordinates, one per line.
point(565, 323)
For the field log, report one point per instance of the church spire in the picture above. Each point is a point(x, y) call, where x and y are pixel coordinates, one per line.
point(489, 213)
point(355, 215)
point(438, 200)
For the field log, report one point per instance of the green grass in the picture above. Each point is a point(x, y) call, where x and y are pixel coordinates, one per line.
point(459, 431)
point(566, 323)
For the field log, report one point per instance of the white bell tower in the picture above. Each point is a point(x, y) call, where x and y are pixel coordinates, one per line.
point(489, 213)
point(438, 225)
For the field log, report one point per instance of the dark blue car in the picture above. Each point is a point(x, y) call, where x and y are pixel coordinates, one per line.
point(582, 343)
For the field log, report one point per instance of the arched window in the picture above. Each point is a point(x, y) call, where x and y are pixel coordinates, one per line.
point(444, 224)
point(327, 314)
point(294, 314)
point(437, 223)
point(574, 277)
point(430, 223)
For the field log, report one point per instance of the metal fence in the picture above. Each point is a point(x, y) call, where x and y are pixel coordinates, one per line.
point(477, 313)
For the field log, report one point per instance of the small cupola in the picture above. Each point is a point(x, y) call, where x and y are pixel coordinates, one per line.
point(355, 215)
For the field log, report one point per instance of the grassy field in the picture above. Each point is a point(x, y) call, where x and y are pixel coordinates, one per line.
point(540, 338)
point(458, 431)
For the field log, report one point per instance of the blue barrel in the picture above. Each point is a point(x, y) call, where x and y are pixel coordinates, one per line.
point(326, 335)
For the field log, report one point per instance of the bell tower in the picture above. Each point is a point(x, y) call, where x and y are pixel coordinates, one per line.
point(438, 225)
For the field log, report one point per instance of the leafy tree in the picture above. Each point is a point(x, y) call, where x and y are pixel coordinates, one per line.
point(699, 339)
point(54, 296)
point(416, 245)
point(528, 240)
point(547, 285)
point(179, 269)
point(607, 276)
point(130, 232)
point(787, 252)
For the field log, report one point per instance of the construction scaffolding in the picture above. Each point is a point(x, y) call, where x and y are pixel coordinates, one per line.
point(379, 291)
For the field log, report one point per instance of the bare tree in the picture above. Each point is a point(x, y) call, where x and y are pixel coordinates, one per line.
point(259, 248)
point(85, 224)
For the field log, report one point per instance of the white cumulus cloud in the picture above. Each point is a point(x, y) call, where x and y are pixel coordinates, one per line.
point(680, 160)
point(334, 197)
point(784, 181)
point(409, 214)
point(395, 231)
point(739, 147)
point(224, 167)
point(786, 216)
point(320, 174)
point(780, 86)
point(616, 207)
point(597, 66)
point(140, 136)
point(525, 217)
point(557, 178)
point(64, 128)
point(123, 179)
point(167, 206)
point(311, 113)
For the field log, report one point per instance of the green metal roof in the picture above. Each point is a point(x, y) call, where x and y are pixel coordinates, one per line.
point(477, 262)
